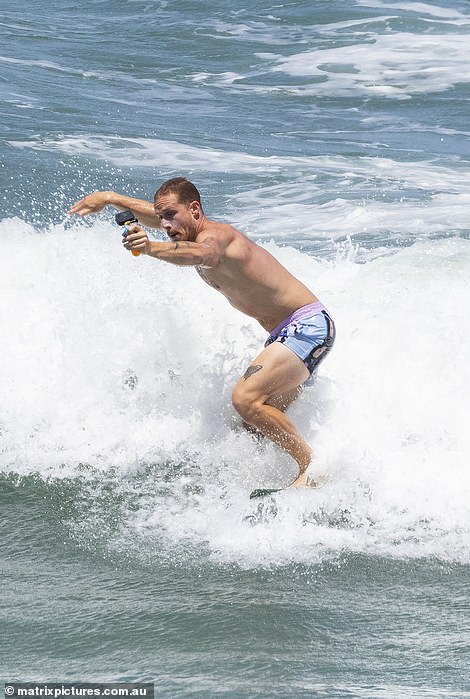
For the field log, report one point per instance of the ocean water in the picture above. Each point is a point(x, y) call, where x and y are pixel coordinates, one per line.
point(335, 134)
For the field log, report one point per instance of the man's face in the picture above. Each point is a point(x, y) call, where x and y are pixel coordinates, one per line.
point(179, 220)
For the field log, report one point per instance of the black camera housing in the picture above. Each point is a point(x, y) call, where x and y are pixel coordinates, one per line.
point(124, 217)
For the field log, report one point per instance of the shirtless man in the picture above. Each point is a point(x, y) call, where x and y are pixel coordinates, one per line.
point(300, 329)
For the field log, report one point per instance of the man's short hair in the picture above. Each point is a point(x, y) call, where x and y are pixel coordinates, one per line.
point(183, 188)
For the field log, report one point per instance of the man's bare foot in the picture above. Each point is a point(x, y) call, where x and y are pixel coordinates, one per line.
point(303, 481)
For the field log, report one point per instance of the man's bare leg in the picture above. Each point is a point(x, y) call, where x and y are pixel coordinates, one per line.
point(257, 397)
point(277, 427)
point(281, 402)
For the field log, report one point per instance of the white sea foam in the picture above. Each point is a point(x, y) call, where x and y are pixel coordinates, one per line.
point(162, 153)
point(370, 56)
point(316, 198)
point(123, 364)
point(149, 152)
point(420, 8)
point(359, 201)
point(395, 65)
point(372, 221)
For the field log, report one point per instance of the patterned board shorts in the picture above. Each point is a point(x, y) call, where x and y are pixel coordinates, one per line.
point(309, 332)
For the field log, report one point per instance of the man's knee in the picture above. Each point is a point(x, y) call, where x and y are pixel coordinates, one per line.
point(246, 403)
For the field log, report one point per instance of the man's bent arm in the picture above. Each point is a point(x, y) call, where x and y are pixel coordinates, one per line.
point(95, 202)
point(206, 253)
point(186, 254)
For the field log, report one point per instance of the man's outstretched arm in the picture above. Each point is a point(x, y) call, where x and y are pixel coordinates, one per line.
point(95, 202)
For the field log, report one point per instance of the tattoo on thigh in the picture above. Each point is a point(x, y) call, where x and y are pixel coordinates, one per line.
point(252, 370)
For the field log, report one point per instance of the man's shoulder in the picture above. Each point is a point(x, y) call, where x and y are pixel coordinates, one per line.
point(231, 240)
point(219, 228)
point(232, 244)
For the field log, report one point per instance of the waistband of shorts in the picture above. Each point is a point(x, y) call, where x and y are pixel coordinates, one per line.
point(305, 311)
